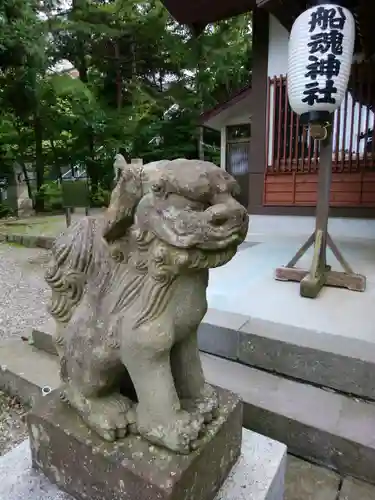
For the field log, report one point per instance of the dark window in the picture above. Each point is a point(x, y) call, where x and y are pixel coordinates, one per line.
point(238, 132)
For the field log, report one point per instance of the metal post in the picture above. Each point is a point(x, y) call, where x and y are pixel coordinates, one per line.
point(68, 216)
point(316, 278)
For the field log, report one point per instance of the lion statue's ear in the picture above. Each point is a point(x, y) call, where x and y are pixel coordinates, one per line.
point(124, 199)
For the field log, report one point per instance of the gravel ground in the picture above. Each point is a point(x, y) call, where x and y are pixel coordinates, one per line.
point(23, 293)
point(12, 427)
point(23, 299)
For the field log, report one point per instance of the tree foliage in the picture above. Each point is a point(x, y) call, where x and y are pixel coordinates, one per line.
point(142, 82)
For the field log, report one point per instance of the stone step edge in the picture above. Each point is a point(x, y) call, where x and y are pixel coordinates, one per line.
point(320, 358)
point(320, 426)
point(18, 386)
point(30, 241)
point(42, 340)
point(228, 336)
point(25, 371)
point(293, 413)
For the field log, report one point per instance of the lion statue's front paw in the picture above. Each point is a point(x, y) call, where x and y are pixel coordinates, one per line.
point(178, 432)
point(205, 404)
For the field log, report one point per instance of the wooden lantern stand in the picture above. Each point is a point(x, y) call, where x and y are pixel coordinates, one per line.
point(320, 273)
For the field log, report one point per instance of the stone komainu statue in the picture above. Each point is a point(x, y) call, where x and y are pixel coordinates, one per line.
point(128, 295)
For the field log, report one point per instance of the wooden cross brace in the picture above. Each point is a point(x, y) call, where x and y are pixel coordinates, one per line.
point(320, 273)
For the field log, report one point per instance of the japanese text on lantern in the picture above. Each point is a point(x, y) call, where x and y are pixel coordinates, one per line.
point(324, 45)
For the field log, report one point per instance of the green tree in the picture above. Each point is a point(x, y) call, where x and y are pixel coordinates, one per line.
point(143, 80)
point(23, 61)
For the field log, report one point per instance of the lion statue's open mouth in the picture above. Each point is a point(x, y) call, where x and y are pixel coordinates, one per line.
point(128, 295)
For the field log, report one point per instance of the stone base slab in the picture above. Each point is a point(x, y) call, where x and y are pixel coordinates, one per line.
point(258, 475)
point(83, 465)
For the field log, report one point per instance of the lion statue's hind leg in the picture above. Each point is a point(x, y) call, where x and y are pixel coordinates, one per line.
point(95, 395)
point(92, 373)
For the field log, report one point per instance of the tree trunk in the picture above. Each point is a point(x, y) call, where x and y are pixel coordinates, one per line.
point(39, 164)
point(118, 77)
point(27, 179)
point(82, 66)
point(83, 76)
point(199, 91)
point(201, 144)
point(91, 168)
point(21, 161)
point(57, 163)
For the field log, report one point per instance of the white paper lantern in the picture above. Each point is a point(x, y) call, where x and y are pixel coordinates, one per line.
point(321, 46)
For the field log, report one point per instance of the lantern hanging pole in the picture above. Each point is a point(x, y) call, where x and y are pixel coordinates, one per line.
point(320, 55)
point(316, 278)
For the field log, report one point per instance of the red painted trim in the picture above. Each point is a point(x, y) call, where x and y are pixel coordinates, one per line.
point(348, 190)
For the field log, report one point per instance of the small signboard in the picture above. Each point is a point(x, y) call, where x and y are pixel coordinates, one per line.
point(75, 194)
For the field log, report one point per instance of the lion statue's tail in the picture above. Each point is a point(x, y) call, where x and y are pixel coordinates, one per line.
point(72, 257)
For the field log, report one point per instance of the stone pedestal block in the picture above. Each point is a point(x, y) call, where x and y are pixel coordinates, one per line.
point(86, 467)
point(258, 474)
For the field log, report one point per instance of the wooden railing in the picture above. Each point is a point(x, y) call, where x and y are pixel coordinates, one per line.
point(291, 149)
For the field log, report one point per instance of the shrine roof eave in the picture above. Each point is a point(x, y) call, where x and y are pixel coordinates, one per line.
point(199, 13)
